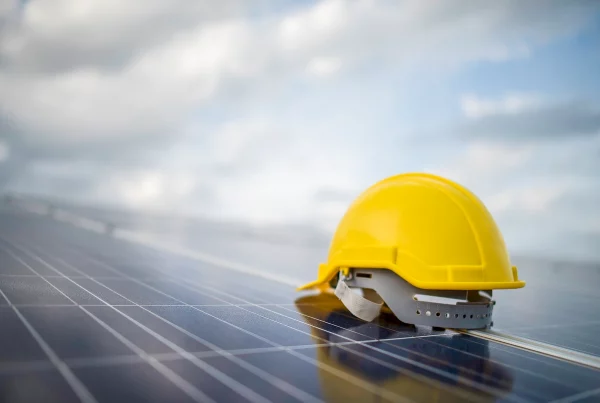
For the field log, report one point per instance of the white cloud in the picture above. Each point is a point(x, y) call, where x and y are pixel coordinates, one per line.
point(475, 107)
point(7, 7)
point(324, 66)
point(57, 35)
point(532, 199)
point(541, 192)
point(150, 190)
point(321, 23)
point(504, 53)
point(204, 49)
point(153, 94)
point(219, 92)
point(480, 162)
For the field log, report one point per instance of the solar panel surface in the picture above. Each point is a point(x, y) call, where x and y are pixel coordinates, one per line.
point(85, 317)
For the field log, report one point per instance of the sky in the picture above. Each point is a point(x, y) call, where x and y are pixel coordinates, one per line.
point(282, 112)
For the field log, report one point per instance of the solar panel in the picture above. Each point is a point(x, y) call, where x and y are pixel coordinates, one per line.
point(86, 317)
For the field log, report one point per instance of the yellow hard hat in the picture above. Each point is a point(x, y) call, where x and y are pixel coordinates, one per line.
point(426, 235)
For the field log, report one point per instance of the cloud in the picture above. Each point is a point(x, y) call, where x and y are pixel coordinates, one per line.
point(538, 210)
point(528, 117)
point(215, 108)
point(541, 187)
point(475, 107)
point(324, 66)
point(178, 56)
point(54, 36)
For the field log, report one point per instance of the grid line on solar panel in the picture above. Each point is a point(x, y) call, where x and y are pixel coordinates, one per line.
point(504, 348)
point(133, 347)
point(31, 366)
point(242, 363)
point(253, 305)
point(443, 349)
point(142, 305)
point(388, 340)
point(530, 356)
point(185, 386)
point(80, 390)
point(232, 383)
point(254, 279)
point(224, 378)
point(4, 298)
point(549, 379)
point(73, 277)
point(382, 392)
point(425, 367)
point(241, 329)
point(583, 343)
point(252, 312)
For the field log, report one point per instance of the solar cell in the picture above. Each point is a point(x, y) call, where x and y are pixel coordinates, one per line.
point(91, 318)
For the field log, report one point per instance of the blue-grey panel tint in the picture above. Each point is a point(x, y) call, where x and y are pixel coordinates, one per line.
point(9, 265)
point(128, 328)
point(327, 378)
point(186, 295)
point(475, 374)
point(211, 291)
point(305, 325)
point(71, 288)
point(263, 384)
point(378, 361)
point(137, 292)
point(16, 343)
point(72, 333)
point(593, 396)
point(40, 386)
point(582, 338)
point(474, 362)
point(208, 328)
point(265, 328)
point(85, 267)
point(567, 374)
point(31, 291)
point(26, 260)
point(162, 327)
point(132, 383)
point(208, 384)
point(243, 294)
point(48, 260)
point(102, 292)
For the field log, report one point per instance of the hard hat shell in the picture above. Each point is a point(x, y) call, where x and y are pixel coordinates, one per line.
point(431, 231)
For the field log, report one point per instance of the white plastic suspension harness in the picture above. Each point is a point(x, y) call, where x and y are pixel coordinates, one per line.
point(471, 309)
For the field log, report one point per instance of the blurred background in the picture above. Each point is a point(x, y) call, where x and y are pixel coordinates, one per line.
point(256, 123)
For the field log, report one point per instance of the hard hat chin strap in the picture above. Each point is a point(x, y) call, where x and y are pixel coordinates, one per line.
point(358, 305)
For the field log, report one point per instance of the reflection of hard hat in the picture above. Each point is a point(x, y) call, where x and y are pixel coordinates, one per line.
point(488, 380)
point(419, 235)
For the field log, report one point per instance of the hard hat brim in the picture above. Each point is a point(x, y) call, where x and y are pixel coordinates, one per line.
point(326, 273)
